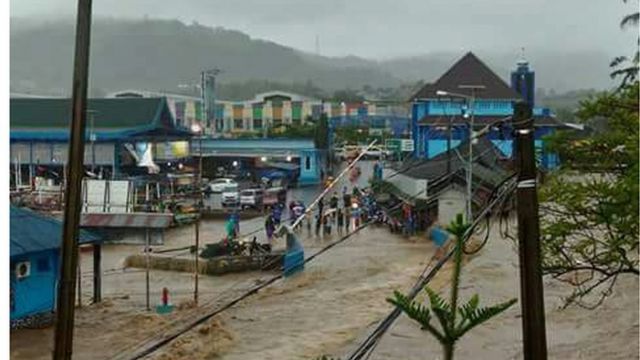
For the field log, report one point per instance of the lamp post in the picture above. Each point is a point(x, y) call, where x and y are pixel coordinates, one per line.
point(471, 101)
point(196, 128)
point(205, 76)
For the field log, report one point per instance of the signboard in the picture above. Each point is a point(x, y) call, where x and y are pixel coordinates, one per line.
point(393, 144)
point(406, 145)
point(106, 196)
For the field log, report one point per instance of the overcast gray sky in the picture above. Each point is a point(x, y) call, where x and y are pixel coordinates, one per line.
point(387, 28)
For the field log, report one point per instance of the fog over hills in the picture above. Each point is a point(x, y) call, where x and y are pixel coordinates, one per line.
point(164, 54)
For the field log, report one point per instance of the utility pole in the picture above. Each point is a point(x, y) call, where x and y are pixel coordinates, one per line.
point(531, 290)
point(63, 342)
point(200, 204)
point(471, 101)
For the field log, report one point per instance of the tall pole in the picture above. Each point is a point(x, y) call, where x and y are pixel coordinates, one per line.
point(470, 167)
point(147, 250)
point(531, 290)
point(200, 200)
point(63, 344)
point(471, 100)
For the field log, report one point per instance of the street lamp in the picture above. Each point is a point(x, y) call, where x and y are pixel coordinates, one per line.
point(471, 103)
point(196, 128)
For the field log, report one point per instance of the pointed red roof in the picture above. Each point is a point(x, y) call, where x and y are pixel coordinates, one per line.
point(469, 70)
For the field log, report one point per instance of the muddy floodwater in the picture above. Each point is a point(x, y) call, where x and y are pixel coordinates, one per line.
point(326, 309)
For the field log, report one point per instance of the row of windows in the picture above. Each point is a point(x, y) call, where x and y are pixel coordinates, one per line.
point(258, 123)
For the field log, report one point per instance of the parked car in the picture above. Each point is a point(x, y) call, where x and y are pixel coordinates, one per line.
point(374, 152)
point(230, 196)
point(219, 185)
point(251, 198)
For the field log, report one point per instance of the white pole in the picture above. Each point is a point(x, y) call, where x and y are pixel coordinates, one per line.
point(19, 168)
point(15, 170)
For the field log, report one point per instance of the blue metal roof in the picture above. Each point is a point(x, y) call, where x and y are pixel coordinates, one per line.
point(31, 232)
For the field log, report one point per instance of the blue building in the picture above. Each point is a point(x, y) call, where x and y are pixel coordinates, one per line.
point(34, 266)
point(298, 156)
point(39, 134)
point(446, 103)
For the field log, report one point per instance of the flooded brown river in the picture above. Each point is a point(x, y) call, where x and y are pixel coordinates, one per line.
point(327, 308)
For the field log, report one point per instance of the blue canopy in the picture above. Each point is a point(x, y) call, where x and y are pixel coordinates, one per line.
point(31, 232)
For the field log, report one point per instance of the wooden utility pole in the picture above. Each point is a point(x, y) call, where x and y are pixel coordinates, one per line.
point(63, 344)
point(531, 290)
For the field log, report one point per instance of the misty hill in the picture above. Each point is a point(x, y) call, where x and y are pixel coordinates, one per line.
point(160, 54)
point(163, 54)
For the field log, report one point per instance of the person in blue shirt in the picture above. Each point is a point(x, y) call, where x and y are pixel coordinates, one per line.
point(277, 214)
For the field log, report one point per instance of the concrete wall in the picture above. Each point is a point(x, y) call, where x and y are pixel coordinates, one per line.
point(451, 203)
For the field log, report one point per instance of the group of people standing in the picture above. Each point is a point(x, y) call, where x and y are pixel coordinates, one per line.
point(345, 213)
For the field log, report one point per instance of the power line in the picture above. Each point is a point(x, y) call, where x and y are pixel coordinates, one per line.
point(373, 339)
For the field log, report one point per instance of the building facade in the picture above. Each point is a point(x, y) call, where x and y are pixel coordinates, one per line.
point(468, 88)
point(275, 109)
point(119, 132)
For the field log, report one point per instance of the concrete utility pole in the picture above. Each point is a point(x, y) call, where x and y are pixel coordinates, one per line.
point(63, 344)
point(531, 289)
point(198, 129)
point(472, 104)
point(206, 76)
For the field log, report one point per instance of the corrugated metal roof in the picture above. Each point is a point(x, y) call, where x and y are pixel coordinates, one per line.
point(114, 113)
point(31, 232)
point(126, 220)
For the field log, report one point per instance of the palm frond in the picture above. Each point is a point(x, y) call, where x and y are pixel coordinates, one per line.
point(458, 227)
point(481, 315)
point(631, 19)
point(470, 307)
point(437, 301)
point(417, 312)
point(414, 310)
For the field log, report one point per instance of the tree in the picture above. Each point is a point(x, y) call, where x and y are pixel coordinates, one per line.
point(352, 134)
point(589, 222)
point(451, 329)
point(625, 67)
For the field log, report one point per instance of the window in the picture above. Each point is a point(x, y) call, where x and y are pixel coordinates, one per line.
point(257, 124)
point(277, 122)
point(307, 163)
point(237, 124)
point(43, 264)
point(296, 122)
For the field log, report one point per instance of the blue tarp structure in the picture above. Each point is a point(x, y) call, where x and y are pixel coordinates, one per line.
point(294, 257)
